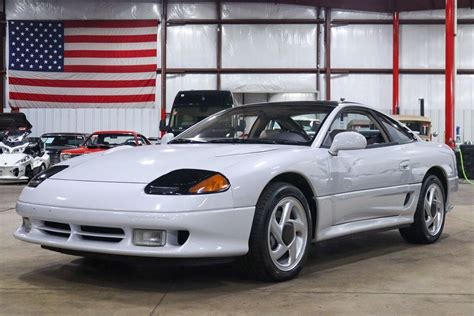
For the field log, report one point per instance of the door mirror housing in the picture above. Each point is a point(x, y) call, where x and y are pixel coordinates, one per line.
point(167, 138)
point(347, 141)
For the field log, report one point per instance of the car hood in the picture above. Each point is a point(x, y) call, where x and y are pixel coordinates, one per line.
point(56, 149)
point(144, 164)
point(82, 150)
point(10, 159)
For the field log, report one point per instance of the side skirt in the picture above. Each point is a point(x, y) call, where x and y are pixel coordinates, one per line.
point(369, 225)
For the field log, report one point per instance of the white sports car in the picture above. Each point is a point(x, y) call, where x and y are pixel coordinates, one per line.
point(248, 182)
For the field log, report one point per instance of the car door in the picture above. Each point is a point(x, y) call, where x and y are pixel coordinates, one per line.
point(367, 183)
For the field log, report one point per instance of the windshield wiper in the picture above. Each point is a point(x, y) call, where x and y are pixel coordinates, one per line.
point(185, 141)
point(254, 141)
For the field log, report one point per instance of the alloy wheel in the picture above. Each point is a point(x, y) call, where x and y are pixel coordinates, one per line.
point(433, 209)
point(287, 233)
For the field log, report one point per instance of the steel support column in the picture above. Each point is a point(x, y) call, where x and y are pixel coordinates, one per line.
point(327, 55)
point(318, 53)
point(219, 45)
point(396, 63)
point(450, 72)
point(164, 18)
point(2, 58)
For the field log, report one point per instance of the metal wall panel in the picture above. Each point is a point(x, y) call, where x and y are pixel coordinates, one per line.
point(352, 45)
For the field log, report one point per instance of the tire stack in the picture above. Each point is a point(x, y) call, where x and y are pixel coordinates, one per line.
point(468, 157)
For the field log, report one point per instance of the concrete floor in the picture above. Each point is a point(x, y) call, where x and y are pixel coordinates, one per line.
point(371, 274)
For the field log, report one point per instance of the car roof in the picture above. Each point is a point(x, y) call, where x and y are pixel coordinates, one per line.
point(63, 134)
point(331, 104)
point(116, 132)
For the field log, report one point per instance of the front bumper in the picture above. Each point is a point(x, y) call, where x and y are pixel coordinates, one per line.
point(12, 174)
point(213, 233)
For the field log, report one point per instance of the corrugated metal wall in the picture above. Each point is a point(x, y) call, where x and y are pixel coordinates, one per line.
point(363, 46)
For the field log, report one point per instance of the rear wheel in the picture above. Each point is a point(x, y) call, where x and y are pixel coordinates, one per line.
point(280, 235)
point(429, 215)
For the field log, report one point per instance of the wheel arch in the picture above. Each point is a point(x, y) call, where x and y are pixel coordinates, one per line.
point(303, 184)
point(442, 176)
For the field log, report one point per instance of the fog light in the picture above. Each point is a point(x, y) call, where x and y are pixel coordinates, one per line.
point(27, 224)
point(149, 238)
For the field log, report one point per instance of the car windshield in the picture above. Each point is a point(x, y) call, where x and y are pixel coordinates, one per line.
point(186, 116)
point(62, 140)
point(290, 124)
point(110, 140)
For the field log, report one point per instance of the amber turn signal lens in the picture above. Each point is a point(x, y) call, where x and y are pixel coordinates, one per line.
point(216, 183)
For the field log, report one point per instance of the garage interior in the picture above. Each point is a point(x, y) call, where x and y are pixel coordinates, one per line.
point(392, 55)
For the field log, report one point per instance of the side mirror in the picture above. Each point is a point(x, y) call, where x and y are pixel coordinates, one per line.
point(435, 134)
point(163, 127)
point(167, 138)
point(347, 141)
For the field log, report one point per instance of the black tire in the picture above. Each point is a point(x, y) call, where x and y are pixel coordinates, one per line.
point(418, 233)
point(29, 172)
point(258, 262)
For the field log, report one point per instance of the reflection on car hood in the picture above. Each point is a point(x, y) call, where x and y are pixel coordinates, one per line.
point(144, 164)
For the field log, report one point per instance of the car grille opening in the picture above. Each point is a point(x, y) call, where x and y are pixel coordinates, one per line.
point(99, 233)
point(183, 236)
point(102, 230)
point(56, 229)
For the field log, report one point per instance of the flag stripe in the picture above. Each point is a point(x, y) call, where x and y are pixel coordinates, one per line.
point(110, 54)
point(115, 23)
point(80, 91)
point(55, 105)
point(109, 31)
point(81, 83)
point(82, 98)
point(111, 61)
point(110, 38)
point(82, 76)
point(110, 46)
point(111, 69)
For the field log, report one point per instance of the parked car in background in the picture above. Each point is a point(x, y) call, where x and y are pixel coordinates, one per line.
point(56, 142)
point(421, 125)
point(248, 183)
point(103, 140)
point(21, 157)
point(192, 106)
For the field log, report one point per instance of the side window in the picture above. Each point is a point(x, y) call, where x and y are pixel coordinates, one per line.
point(397, 133)
point(355, 121)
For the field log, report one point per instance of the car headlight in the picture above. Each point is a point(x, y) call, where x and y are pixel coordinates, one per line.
point(187, 182)
point(22, 160)
point(40, 177)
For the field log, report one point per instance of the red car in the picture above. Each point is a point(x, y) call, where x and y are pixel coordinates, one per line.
point(103, 140)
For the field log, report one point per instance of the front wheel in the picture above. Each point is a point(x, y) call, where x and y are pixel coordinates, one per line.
point(429, 215)
point(281, 234)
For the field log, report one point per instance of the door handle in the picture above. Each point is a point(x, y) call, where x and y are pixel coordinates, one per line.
point(405, 165)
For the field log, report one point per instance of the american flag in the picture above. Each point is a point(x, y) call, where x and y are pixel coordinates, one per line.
point(82, 63)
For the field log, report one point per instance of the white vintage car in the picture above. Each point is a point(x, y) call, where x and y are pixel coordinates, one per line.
point(248, 183)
